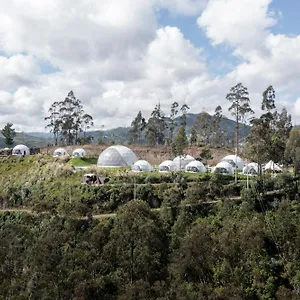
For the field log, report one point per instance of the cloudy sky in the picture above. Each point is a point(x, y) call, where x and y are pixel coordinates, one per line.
point(122, 56)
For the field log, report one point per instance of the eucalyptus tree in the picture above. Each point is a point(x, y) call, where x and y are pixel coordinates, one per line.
point(137, 127)
point(172, 124)
point(238, 96)
point(67, 119)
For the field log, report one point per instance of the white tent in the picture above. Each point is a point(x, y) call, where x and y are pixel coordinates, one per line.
point(167, 166)
point(20, 150)
point(78, 152)
point(116, 156)
point(224, 167)
point(235, 161)
point(60, 152)
point(195, 166)
point(251, 168)
point(142, 166)
point(182, 161)
point(271, 166)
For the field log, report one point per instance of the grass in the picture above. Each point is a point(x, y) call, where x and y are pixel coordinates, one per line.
point(82, 161)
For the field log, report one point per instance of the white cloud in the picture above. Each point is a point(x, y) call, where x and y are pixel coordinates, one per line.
point(238, 23)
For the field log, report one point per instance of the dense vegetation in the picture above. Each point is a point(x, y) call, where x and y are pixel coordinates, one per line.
point(184, 237)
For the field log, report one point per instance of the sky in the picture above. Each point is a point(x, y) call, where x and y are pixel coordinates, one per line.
point(124, 56)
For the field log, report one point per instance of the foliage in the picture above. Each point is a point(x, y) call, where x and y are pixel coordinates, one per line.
point(9, 133)
point(67, 119)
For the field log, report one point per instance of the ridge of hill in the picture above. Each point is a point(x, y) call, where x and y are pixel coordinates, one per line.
point(122, 134)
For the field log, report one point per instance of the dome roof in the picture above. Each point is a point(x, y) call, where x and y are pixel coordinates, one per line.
point(116, 156)
point(224, 167)
point(60, 152)
point(182, 160)
point(195, 166)
point(167, 166)
point(235, 161)
point(78, 152)
point(21, 150)
point(142, 166)
point(251, 168)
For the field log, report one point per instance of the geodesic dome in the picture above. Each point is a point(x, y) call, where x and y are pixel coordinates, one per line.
point(181, 161)
point(142, 166)
point(167, 166)
point(20, 150)
point(235, 161)
point(251, 168)
point(224, 167)
point(60, 152)
point(116, 156)
point(195, 166)
point(78, 152)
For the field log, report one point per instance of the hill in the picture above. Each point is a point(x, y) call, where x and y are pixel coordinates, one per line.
point(28, 140)
point(121, 135)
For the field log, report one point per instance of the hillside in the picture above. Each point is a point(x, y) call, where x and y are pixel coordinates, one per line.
point(28, 140)
point(121, 135)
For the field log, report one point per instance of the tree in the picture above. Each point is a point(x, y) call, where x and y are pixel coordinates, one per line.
point(218, 116)
point(67, 119)
point(193, 138)
point(180, 142)
point(137, 127)
point(9, 133)
point(240, 107)
point(174, 112)
point(292, 150)
point(155, 128)
point(184, 109)
point(205, 154)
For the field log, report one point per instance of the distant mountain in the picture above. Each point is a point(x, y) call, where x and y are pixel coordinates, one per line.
point(122, 134)
point(28, 140)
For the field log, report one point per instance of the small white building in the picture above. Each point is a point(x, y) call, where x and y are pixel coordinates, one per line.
point(224, 167)
point(271, 166)
point(142, 166)
point(182, 161)
point(79, 152)
point(59, 152)
point(21, 150)
point(167, 166)
point(235, 161)
point(195, 166)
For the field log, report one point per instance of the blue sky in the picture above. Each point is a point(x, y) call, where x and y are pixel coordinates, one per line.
point(120, 58)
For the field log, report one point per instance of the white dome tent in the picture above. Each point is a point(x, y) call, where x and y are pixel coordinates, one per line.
point(167, 166)
point(60, 152)
point(195, 166)
point(21, 150)
point(271, 166)
point(181, 161)
point(224, 167)
point(251, 169)
point(235, 161)
point(79, 152)
point(116, 156)
point(142, 166)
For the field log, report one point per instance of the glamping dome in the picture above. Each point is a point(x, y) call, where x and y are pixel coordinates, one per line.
point(116, 156)
point(142, 166)
point(20, 150)
point(60, 152)
point(78, 153)
point(195, 166)
point(224, 167)
point(182, 161)
point(167, 166)
point(251, 169)
point(235, 161)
